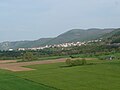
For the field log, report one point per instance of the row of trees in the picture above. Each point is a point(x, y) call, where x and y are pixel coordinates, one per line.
point(90, 50)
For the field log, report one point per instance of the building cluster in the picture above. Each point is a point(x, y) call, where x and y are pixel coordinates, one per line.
point(94, 41)
point(69, 44)
point(63, 45)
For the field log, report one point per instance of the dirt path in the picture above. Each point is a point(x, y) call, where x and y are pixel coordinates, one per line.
point(19, 66)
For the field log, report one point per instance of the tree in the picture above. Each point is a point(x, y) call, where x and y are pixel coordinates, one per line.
point(28, 56)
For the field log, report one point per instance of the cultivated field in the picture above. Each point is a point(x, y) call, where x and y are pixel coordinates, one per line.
point(13, 65)
point(10, 65)
point(101, 75)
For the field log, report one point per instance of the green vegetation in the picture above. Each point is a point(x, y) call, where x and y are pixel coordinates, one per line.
point(113, 56)
point(113, 37)
point(52, 57)
point(28, 56)
point(76, 62)
point(95, 50)
point(95, 75)
point(109, 44)
point(75, 35)
point(10, 81)
point(100, 75)
point(8, 55)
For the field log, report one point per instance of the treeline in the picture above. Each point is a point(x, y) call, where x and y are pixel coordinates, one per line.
point(94, 49)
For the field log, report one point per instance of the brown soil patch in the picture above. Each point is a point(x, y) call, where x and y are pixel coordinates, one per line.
point(12, 65)
point(7, 61)
point(19, 66)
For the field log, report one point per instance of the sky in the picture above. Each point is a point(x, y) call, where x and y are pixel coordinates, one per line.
point(34, 19)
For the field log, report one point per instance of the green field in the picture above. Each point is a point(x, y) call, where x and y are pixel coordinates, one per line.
point(101, 75)
point(10, 81)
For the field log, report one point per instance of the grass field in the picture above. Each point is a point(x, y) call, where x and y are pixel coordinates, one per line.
point(105, 75)
point(9, 81)
point(52, 57)
point(101, 76)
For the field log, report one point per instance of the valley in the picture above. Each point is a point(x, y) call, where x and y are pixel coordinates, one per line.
point(93, 65)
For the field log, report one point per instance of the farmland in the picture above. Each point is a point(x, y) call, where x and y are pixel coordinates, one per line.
point(9, 81)
point(59, 45)
point(100, 75)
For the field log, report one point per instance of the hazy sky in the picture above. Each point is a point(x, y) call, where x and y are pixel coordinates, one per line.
point(34, 19)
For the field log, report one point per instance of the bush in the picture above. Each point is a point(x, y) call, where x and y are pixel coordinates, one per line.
point(68, 62)
point(108, 57)
point(76, 62)
point(28, 56)
point(84, 62)
point(7, 58)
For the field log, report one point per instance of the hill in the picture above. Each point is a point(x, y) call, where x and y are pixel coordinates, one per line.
point(112, 37)
point(23, 44)
point(73, 35)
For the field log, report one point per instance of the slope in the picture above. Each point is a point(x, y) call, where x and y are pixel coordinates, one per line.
point(79, 35)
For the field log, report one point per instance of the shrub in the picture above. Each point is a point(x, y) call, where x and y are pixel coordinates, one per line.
point(108, 57)
point(84, 62)
point(69, 62)
point(76, 62)
point(28, 56)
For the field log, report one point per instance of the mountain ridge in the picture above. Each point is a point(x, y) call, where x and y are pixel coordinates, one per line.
point(73, 35)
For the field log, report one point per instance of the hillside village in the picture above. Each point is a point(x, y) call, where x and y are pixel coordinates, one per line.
point(63, 45)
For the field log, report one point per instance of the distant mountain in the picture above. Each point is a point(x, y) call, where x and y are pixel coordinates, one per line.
point(73, 35)
point(23, 44)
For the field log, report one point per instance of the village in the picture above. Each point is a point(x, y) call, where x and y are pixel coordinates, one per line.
point(63, 45)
